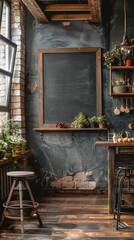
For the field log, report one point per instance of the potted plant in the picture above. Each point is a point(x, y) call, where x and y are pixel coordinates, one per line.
point(102, 121)
point(113, 56)
point(10, 139)
point(117, 53)
point(93, 122)
point(109, 58)
point(17, 144)
point(128, 60)
point(119, 85)
point(80, 121)
point(3, 148)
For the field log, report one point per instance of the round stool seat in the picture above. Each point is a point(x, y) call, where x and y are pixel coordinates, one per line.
point(20, 174)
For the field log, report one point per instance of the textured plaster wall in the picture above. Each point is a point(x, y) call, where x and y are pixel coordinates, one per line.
point(67, 153)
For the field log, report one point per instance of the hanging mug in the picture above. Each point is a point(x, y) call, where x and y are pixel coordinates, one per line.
point(125, 134)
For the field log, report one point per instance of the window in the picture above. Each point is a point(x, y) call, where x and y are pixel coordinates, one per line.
point(7, 60)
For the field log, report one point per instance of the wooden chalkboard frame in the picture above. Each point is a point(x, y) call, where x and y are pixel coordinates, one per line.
point(98, 80)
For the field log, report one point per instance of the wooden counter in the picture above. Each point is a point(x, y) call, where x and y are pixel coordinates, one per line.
point(112, 150)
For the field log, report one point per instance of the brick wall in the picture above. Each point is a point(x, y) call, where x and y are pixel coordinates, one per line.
point(18, 85)
point(79, 181)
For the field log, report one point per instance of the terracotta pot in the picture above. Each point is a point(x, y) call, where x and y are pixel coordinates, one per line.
point(129, 62)
point(102, 125)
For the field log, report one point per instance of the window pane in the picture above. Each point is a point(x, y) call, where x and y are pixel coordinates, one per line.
point(3, 118)
point(5, 20)
point(6, 54)
point(1, 8)
point(4, 90)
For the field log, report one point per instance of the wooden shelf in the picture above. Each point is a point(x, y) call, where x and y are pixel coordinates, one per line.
point(69, 129)
point(126, 94)
point(122, 95)
point(122, 68)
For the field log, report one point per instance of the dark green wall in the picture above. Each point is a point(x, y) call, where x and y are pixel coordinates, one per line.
point(65, 153)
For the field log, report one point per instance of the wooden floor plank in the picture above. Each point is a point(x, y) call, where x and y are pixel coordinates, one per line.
point(71, 217)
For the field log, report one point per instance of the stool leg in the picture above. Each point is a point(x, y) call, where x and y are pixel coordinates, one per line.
point(21, 206)
point(8, 200)
point(119, 201)
point(33, 201)
point(116, 192)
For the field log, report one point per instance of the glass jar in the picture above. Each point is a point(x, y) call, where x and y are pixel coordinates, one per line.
point(115, 137)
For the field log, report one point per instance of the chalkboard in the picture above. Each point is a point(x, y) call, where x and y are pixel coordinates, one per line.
point(70, 82)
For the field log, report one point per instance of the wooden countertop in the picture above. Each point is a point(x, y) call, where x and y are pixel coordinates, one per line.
point(114, 144)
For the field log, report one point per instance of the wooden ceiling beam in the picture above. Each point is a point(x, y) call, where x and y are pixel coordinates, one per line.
point(95, 10)
point(35, 10)
point(69, 16)
point(66, 7)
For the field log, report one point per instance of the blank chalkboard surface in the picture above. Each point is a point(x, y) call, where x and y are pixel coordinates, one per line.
point(70, 82)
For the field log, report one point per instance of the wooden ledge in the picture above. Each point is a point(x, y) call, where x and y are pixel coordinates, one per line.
point(68, 129)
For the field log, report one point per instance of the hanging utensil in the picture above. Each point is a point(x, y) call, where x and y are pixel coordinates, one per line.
point(127, 110)
point(131, 125)
point(116, 110)
point(122, 109)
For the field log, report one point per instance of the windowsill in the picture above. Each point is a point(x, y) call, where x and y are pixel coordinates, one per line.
point(8, 160)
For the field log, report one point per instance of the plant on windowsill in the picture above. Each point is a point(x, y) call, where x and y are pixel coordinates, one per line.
point(11, 140)
point(3, 148)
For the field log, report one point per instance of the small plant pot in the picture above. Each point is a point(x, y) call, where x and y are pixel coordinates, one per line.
point(102, 125)
point(129, 62)
point(119, 89)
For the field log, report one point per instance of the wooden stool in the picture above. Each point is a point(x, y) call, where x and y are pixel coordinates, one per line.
point(20, 183)
point(123, 173)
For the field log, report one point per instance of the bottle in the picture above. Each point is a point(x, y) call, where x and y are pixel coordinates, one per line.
point(128, 85)
point(115, 137)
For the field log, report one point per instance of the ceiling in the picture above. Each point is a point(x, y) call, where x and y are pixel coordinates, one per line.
point(45, 11)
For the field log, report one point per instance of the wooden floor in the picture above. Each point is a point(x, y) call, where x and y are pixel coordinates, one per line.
point(71, 216)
